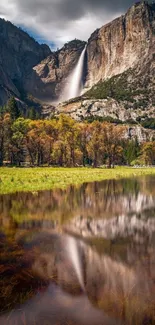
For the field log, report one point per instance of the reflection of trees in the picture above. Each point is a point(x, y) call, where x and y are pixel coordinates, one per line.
point(118, 272)
point(17, 284)
point(119, 277)
point(137, 227)
point(97, 200)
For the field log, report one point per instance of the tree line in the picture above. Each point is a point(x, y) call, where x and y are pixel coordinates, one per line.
point(64, 142)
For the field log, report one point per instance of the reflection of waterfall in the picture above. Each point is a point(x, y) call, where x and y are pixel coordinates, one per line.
point(74, 255)
point(75, 83)
point(121, 284)
point(65, 249)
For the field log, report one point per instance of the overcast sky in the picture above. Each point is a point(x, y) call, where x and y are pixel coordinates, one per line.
point(58, 21)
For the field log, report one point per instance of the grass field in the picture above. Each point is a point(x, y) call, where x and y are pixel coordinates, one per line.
point(35, 179)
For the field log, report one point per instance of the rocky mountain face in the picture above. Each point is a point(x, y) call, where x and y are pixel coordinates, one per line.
point(50, 75)
point(27, 67)
point(124, 48)
point(119, 80)
point(112, 111)
point(18, 54)
point(119, 68)
point(85, 107)
point(122, 44)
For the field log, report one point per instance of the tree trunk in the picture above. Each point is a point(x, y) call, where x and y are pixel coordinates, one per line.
point(1, 157)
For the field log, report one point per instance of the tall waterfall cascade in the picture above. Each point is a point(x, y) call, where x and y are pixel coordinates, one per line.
point(75, 83)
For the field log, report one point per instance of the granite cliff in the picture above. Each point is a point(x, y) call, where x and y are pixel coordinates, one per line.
point(28, 68)
point(120, 69)
point(124, 50)
point(49, 77)
point(124, 43)
point(18, 54)
point(118, 74)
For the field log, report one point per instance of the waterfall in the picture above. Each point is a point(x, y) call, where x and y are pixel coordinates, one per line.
point(74, 85)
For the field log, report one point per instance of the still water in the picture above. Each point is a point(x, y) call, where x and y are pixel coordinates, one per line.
point(80, 256)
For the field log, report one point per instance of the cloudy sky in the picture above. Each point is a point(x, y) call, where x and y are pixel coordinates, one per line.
point(58, 21)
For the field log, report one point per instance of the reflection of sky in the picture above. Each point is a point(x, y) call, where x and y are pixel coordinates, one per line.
point(47, 306)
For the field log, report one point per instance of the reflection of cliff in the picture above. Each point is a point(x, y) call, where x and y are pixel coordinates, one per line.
point(115, 255)
point(97, 200)
point(123, 291)
point(118, 227)
point(58, 300)
point(118, 280)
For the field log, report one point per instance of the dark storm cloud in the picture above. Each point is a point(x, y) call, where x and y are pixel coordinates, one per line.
point(63, 20)
point(67, 10)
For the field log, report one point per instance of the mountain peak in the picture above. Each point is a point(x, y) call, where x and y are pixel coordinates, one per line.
point(125, 45)
point(19, 53)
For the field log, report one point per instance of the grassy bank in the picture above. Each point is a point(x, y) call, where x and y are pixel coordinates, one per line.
point(35, 179)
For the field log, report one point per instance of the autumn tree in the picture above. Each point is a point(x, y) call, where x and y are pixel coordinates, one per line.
point(66, 146)
point(52, 134)
point(39, 142)
point(96, 143)
point(19, 130)
point(65, 142)
point(148, 153)
point(84, 138)
point(5, 133)
point(113, 136)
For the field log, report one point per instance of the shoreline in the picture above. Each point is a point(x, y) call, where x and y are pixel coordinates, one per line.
point(14, 180)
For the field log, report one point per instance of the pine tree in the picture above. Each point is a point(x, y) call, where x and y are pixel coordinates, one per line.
point(13, 109)
point(32, 113)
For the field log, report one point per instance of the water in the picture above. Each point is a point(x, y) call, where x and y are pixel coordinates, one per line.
point(79, 256)
point(73, 252)
point(75, 81)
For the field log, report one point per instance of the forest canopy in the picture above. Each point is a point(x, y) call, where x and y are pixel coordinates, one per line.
point(64, 142)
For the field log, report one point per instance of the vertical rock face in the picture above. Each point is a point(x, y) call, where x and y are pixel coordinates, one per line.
point(127, 43)
point(120, 71)
point(28, 67)
point(18, 51)
point(18, 54)
point(50, 75)
point(121, 44)
point(7, 88)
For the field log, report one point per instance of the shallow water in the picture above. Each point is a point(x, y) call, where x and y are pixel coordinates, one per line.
point(84, 255)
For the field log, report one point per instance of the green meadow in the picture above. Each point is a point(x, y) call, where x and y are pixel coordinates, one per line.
point(36, 179)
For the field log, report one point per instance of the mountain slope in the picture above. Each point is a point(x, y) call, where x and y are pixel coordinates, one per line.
point(49, 77)
point(122, 44)
point(18, 54)
point(119, 67)
point(120, 82)
point(28, 68)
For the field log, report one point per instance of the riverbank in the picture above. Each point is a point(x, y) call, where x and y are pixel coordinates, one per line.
point(35, 179)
